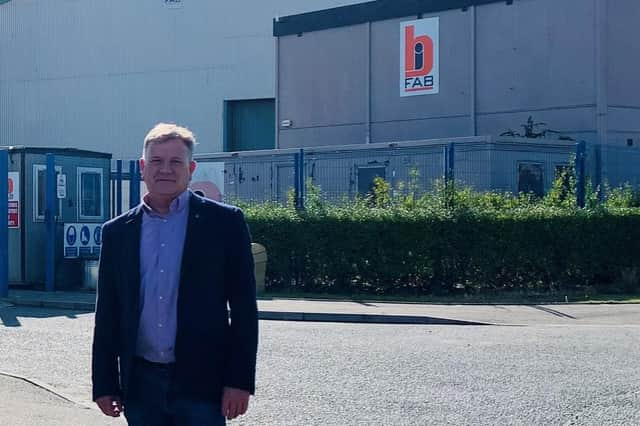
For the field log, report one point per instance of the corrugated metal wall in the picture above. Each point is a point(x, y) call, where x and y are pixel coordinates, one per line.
point(97, 75)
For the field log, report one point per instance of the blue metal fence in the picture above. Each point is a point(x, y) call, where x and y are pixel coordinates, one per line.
point(51, 203)
point(119, 179)
point(343, 172)
point(4, 224)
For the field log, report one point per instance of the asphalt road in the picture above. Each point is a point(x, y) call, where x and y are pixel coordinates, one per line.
point(365, 374)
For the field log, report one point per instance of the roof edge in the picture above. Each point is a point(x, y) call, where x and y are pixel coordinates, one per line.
point(371, 11)
point(56, 151)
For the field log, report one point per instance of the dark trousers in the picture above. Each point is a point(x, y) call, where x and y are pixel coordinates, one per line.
point(151, 403)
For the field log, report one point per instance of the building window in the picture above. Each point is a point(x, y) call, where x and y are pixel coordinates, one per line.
point(366, 176)
point(39, 190)
point(90, 193)
point(530, 179)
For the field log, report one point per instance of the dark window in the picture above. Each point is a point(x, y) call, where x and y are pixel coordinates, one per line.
point(366, 175)
point(90, 193)
point(530, 179)
point(40, 190)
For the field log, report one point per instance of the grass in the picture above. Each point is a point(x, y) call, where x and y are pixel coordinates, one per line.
point(490, 299)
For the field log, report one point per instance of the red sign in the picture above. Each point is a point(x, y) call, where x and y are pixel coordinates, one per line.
point(14, 214)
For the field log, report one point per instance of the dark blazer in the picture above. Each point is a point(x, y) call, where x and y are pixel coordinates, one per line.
point(211, 350)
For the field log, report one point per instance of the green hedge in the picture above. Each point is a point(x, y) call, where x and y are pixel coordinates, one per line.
point(421, 251)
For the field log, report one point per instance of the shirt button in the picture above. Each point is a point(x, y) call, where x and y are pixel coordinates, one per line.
point(160, 325)
point(161, 270)
point(162, 245)
point(161, 298)
point(164, 220)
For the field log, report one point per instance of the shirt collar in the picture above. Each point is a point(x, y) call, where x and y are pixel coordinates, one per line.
point(177, 205)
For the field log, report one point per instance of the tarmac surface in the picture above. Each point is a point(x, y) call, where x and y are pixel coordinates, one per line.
point(28, 402)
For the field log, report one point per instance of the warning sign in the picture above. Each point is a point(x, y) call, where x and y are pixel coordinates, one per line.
point(14, 186)
point(82, 239)
point(14, 214)
point(14, 200)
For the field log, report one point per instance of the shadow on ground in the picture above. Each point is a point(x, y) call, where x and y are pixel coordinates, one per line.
point(10, 315)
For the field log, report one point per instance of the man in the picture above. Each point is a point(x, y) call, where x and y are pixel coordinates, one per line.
point(166, 350)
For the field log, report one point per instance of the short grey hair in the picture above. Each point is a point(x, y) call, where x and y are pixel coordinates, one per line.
point(163, 132)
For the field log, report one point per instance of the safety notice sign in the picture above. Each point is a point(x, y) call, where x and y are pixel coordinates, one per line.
point(82, 239)
point(14, 200)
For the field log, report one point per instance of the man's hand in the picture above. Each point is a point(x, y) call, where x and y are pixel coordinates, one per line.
point(234, 402)
point(110, 405)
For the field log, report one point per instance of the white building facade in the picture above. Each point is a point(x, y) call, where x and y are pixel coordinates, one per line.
point(97, 75)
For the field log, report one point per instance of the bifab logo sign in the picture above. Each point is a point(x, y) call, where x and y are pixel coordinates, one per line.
point(419, 53)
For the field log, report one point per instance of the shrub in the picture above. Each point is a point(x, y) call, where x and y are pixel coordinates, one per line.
point(450, 240)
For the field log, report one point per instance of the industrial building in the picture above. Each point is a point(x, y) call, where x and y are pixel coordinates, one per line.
point(97, 75)
point(380, 88)
point(278, 75)
point(572, 64)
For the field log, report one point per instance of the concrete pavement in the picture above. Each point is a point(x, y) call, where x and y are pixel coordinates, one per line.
point(280, 309)
point(25, 402)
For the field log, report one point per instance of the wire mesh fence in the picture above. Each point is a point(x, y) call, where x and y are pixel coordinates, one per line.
point(344, 172)
point(616, 165)
point(348, 173)
point(341, 173)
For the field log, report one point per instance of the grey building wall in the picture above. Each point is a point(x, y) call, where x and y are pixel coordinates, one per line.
point(323, 87)
point(572, 64)
point(97, 75)
point(623, 57)
point(536, 57)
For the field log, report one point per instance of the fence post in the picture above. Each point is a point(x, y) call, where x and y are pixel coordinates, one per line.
point(452, 162)
point(448, 172)
point(51, 198)
point(449, 162)
point(580, 173)
point(134, 183)
point(299, 179)
point(118, 187)
point(445, 163)
point(4, 223)
point(597, 153)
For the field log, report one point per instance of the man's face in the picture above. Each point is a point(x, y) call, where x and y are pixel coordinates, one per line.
point(166, 169)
